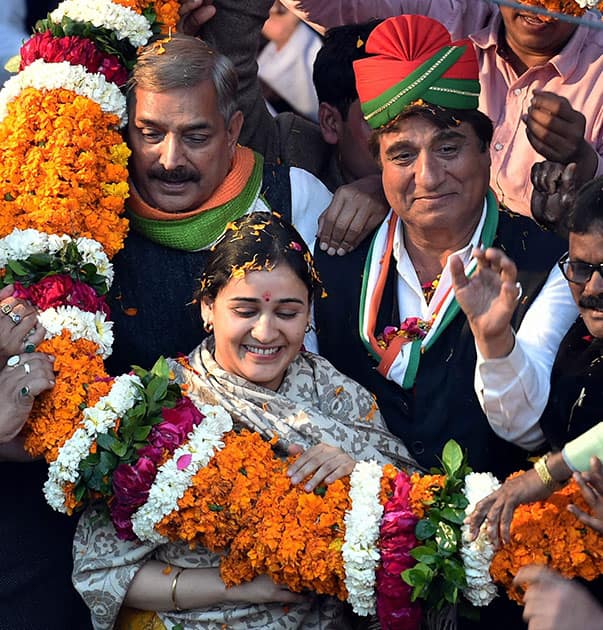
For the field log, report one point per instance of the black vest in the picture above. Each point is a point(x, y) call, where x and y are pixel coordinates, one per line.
point(442, 404)
point(576, 399)
point(152, 299)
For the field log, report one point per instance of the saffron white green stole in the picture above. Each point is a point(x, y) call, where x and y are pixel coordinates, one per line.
point(399, 358)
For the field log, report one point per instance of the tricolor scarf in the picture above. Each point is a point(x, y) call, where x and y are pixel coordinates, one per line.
point(399, 361)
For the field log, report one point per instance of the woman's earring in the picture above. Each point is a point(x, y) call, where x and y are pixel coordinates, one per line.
point(208, 327)
point(309, 328)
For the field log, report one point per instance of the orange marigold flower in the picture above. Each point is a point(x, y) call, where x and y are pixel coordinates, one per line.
point(423, 489)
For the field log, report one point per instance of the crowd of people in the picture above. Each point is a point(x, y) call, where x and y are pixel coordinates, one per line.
point(408, 262)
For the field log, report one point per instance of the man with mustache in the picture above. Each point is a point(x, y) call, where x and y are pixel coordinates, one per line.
point(542, 80)
point(188, 178)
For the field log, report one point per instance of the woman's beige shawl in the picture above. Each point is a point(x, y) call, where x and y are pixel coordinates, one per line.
point(315, 403)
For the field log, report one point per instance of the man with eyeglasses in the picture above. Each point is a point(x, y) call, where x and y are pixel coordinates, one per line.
point(576, 398)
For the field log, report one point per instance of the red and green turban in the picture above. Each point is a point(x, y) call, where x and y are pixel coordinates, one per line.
point(415, 59)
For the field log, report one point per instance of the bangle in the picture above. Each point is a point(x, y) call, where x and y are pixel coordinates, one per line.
point(544, 474)
point(173, 591)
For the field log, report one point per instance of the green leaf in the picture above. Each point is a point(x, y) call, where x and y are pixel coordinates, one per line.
point(119, 448)
point(105, 441)
point(424, 554)
point(425, 529)
point(161, 368)
point(446, 538)
point(418, 575)
point(453, 515)
point(17, 267)
point(142, 433)
point(452, 457)
point(215, 508)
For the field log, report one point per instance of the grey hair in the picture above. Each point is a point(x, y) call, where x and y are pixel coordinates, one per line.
point(182, 61)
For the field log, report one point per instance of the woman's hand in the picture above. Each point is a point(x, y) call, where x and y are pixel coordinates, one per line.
point(262, 590)
point(499, 506)
point(19, 328)
point(591, 485)
point(20, 383)
point(326, 463)
point(488, 299)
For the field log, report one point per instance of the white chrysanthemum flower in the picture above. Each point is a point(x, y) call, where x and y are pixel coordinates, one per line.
point(92, 252)
point(170, 484)
point(359, 551)
point(123, 21)
point(52, 76)
point(64, 469)
point(81, 325)
point(21, 244)
point(477, 555)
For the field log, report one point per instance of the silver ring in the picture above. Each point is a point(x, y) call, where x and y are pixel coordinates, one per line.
point(13, 360)
point(25, 391)
point(27, 368)
point(520, 289)
point(15, 317)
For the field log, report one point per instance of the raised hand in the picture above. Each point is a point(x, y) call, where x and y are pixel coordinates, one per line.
point(325, 462)
point(556, 131)
point(488, 298)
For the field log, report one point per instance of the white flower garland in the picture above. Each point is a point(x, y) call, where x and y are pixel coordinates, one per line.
point(171, 483)
point(477, 555)
point(126, 23)
point(98, 419)
point(53, 76)
point(21, 244)
point(81, 325)
point(360, 551)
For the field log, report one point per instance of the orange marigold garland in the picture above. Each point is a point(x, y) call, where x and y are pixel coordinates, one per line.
point(545, 532)
point(569, 7)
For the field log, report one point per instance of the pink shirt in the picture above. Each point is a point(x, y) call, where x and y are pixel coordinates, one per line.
point(576, 73)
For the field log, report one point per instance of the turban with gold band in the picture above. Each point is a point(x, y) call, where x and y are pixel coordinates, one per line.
point(414, 59)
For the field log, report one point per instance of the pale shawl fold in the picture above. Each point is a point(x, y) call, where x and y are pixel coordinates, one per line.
point(315, 403)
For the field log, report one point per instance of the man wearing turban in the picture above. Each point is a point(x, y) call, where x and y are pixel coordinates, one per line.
point(391, 319)
point(542, 78)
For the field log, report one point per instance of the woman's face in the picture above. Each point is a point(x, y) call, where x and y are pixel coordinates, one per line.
point(259, 323)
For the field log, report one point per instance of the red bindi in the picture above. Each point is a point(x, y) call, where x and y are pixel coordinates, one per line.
point(266, 296)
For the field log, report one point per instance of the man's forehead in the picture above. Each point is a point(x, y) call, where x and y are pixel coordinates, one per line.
point(418, 130)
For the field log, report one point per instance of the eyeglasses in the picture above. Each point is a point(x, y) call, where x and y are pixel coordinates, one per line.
point(578, 271)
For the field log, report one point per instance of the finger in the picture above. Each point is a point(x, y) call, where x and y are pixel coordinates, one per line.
point(457, 273)
point(506, 519)
point(588, 492)
point(355, 232)
point(6, 291)
point(587, 519)
point(295, 449)
point(534, 574)
point(478, 516)
point(326, 224)
point(552, 103)
point(321, 476)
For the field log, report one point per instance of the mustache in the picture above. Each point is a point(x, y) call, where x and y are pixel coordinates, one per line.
point(592, 301)
point(174, 176)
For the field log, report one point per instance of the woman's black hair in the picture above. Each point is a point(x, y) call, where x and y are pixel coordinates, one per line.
point(257, 241)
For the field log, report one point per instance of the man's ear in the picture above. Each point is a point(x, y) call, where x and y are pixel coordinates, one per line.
point(331, 123)
point(234, 129)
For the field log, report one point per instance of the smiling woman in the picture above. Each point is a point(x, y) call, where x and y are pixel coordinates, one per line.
point(256, 293)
